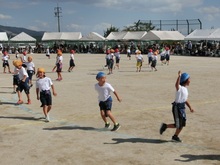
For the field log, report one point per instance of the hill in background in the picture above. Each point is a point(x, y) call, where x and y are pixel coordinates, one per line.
point(13, 31)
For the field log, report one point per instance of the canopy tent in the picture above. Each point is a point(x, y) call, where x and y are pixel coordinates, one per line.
point(3, 36)
point(200, 34)
point(215, 35)
point(163, 35)
point(93, 36)
point(116, 35)
point(61, 36)
point(23, 37)
point(136, 35)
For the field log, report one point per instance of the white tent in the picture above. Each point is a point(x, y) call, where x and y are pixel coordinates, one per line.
point(200, 34)
point(61, 36)
point(23, 37)
point(116, 35)
point(3, 36)
point(136, 35)
point(215, 35)
point(126, 35)
point(163, 35)
point(93, 36)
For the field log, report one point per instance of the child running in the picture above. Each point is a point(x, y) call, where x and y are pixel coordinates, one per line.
point(72, 63)
point(23, 82)
point(154, 61)
point(105, 100)
point(140, 60)
point(5, 59)
point(30, 69)
point(59, 65)
point(117, 57)
point(43, 86)
point(15, 78)
point(110, 58)
point(178, 107)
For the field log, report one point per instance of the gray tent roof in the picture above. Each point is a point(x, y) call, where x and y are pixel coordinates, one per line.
point(163, 35)
point(204, 34)
point(126, 35)
point(61, 36)
point(23, 37)
point(93, 36)
point(3, 36)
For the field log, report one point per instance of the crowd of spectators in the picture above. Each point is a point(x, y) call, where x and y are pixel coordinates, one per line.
point(201, 48)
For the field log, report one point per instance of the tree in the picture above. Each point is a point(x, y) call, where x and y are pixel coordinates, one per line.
point(111, 29)
point(139, 26)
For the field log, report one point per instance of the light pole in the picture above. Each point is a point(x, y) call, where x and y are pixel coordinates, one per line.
point(57, 12)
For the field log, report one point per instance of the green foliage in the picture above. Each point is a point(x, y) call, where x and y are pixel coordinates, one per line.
point(109, 30)
point(139, 26)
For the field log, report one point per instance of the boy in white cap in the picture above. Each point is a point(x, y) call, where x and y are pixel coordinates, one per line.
point(105, 100)
point(178, 107)
point(43, 86)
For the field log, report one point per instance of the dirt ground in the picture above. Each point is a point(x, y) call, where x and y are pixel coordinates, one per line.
point(76, 135)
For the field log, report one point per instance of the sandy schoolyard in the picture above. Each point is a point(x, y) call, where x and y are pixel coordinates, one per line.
point(75, 134)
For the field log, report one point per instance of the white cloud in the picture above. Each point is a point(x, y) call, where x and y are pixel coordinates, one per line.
point(75, 27)
point(102, 26)
point(210, 13)
point(2, 16)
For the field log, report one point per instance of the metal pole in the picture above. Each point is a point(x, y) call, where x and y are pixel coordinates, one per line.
point(57, 11)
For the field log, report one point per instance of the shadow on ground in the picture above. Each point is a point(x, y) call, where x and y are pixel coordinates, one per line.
point(190, 157)
point(137, 140)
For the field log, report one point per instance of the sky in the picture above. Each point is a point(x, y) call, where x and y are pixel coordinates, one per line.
point(87, 16)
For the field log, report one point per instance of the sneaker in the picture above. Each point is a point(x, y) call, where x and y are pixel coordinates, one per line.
point(14, 92)
point(116, 127)
point(107, 125)
point(47, 119)
point(176, 139)
point(163, 128)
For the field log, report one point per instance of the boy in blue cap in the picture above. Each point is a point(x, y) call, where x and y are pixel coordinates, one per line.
point(105, 100)
point(178, 107)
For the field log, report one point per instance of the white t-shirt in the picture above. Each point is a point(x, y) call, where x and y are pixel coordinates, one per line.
point(60, 59)
point(22, 73)
point(140, 57)
point(72, 56)
point(44, 83)
point(5, 58)
point(181, 94)
point(30, 65)
point(104, 91)
point(16, 71)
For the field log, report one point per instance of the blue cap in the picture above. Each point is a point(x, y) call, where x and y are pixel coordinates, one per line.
point(100, 74)
point(184, 77)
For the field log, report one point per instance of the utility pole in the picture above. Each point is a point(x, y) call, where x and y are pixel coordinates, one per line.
point(57, 12)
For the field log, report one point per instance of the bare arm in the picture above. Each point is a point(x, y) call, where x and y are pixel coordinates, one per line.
point(37, 92)
point(118, 98)
point(178, 81)
point(53, 90)
point(188, 105)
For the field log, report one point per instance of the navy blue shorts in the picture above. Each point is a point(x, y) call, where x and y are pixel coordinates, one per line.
point(30, 74)
point(179, 115)
point(24, 86)
point(106, 105)
point(45, 98)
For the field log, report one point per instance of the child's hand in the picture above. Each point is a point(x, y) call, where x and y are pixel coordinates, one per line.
point(119, 99)
point(54, 93)
point(191, 110)
point(179, 72)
